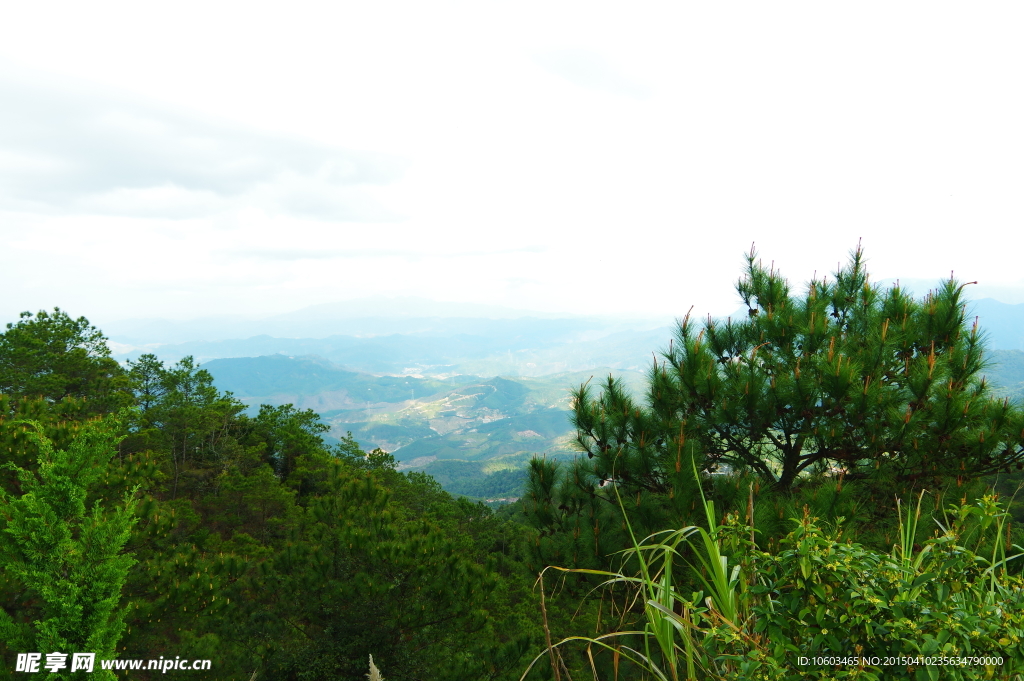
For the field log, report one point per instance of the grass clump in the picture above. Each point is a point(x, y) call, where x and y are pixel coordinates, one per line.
point(819, 607)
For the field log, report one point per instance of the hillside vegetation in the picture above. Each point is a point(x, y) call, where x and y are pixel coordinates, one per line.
point(145, 514)
point(460, 429)
point(804, 492)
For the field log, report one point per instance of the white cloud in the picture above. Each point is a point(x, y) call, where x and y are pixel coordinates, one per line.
point(74, 152)
point(591, 69)
point(581, 157)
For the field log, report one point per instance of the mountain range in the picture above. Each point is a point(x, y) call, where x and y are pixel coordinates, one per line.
point(402, 340)
point(473, 434)
point(466, 393)
point(462, 429)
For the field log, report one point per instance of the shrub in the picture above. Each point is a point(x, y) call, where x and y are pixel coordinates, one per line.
point(919, 612)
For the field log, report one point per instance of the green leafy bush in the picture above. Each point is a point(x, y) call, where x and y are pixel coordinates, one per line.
point(820, 597)
point(822, 607)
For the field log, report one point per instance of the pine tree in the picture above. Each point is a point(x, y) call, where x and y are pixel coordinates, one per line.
point(847, 377)
point(847, 380)
point(68, 558)
point(53, 356)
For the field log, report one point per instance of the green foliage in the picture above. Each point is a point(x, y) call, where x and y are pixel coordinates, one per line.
point(849, 390)
point(501, 484)
point(52, 356)
point(821, 597)
point(949, 598)
point(261, 547)
point(67, 556)
point(184, 416)
point(848, 377)
point(288, 432)
point(358, 577)
point(348, 451)
point(59, 422)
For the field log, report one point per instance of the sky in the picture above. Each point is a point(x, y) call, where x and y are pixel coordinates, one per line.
point(194, 159)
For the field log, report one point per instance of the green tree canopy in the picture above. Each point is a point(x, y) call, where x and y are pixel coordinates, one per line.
point(67, 556)
point(53, 356)
point(242, 538)
point(288, 433)
point(847, 377)
point(871, 390)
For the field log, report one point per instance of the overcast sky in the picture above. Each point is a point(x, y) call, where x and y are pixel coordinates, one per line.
point(190, 159)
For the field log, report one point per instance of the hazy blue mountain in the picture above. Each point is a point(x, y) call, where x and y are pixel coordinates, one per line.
point(375, 316)
point(401, 341)
point(418, 386)
point(1003, 324)
point(312, 383)
point(464, 430)
point(1007, 373)
point(521, 347)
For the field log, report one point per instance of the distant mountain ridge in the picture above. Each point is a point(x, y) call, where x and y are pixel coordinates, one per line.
point(312, 383)
point(415, 385)
point(1002, 324)
point(375, 316)
point(473, 434)
point(522, 347)
point(1006, 373)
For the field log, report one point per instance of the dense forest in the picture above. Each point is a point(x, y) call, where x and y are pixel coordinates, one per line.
point(829, 478)
point(244, 540)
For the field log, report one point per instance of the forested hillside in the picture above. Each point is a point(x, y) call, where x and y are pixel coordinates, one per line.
point(389, 379)
point(244, 539)
point(474, 435)
point(463, 430)
point(813, 479)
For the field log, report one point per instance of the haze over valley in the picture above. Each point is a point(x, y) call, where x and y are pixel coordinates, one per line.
point(466, 393)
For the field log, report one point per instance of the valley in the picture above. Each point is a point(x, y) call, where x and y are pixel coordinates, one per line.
point(474, 435)
point(466, 398)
